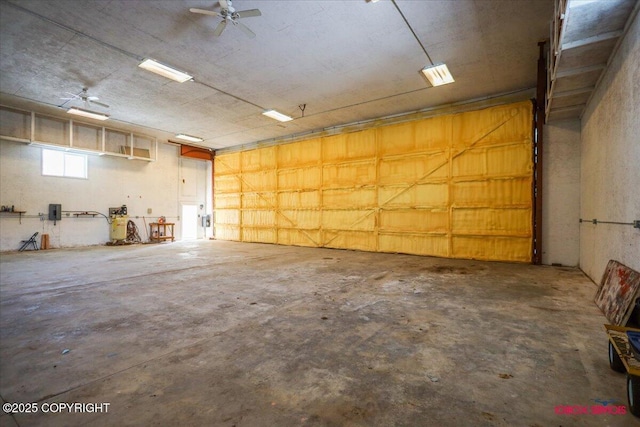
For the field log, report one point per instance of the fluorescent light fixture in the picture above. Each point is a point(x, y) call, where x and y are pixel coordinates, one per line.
point(278, 116)
point(438, 74)
point(164, 70)
point(86, 113)
point(189, 137)
point(576, 3)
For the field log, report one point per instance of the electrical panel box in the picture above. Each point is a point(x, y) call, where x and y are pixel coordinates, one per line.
point(55, 212)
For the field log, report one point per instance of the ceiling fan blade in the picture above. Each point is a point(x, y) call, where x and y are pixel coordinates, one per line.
point(100, 104)
point(92, 98)
point(204, 12)
point(220, 28)
point(224, 4)
point(245, 29)
point(249, 13)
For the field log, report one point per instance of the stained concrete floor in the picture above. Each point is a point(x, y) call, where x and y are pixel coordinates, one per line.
point(234, 334)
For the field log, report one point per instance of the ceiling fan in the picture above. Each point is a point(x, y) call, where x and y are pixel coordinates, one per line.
point(229, 14)
point(85, 98)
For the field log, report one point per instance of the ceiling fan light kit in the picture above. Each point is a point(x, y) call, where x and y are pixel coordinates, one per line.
point(87, 113)
point(165, 70)
point(438, 74)
point(277, 116)
point(189, 137)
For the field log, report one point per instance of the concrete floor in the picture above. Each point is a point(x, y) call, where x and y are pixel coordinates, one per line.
point(234, 334)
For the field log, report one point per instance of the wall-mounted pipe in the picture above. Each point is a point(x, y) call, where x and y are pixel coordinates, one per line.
point(636, 223)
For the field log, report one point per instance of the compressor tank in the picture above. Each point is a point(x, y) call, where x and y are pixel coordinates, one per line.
point(118, 227)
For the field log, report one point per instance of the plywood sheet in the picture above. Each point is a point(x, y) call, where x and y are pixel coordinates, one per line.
point(617, 293)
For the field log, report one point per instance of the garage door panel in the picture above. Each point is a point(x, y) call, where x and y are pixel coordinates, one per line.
point(299, 153)
point(345, 198)
point(412, 220)
point(412, 243)
point(360, 240)
point(432, 195)
point(488, 221)
point(349, 146)
point(492, 248)
point(455, 185)
point(497, 193)
point(299, 199)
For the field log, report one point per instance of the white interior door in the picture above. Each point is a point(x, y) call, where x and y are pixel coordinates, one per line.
point(189, 222)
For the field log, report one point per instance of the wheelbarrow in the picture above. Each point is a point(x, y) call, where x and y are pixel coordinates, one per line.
point(624, 357)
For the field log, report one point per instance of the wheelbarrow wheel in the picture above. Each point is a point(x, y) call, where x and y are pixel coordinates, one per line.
point(614, 359)
point(633, 394)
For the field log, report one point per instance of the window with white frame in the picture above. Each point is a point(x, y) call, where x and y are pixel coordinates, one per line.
point(61, 163)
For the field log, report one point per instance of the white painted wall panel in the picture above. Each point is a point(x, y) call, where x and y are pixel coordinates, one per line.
point(610, 163)
point(561, 194)
point(113, 181)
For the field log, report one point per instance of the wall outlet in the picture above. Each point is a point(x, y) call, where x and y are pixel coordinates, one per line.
point(149, 210)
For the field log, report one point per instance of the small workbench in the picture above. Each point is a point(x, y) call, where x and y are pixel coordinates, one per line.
point(161, 231)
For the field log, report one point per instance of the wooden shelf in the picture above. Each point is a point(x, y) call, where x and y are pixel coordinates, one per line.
point(19, 213)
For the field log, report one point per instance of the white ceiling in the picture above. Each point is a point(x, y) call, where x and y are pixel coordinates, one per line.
point(347, 60)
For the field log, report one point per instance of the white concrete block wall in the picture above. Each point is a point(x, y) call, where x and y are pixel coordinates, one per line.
point(112, 182)
point(561, 194)
point(610, 163)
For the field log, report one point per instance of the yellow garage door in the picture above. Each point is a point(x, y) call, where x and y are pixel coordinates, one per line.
point(455, 186)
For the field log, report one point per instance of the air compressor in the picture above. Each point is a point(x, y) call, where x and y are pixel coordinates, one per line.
point(119, 219)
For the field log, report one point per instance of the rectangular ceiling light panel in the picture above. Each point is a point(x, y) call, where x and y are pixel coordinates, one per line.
point(189, 137)
point(438, 74)
point(276, 115)
point(87, 113)
point(164, 70)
